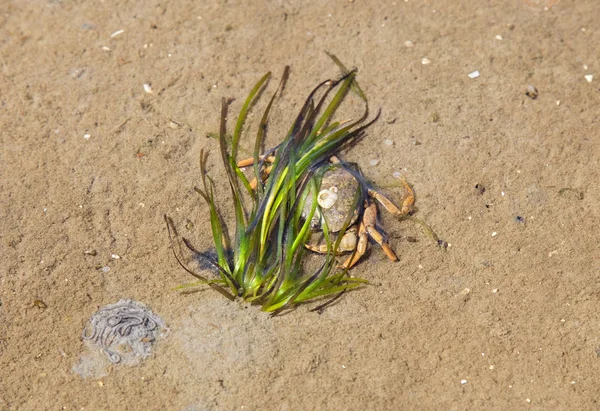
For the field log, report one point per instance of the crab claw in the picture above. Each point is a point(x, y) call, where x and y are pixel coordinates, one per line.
point(368, 226)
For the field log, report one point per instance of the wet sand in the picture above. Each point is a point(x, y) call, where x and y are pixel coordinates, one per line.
point(91, 159)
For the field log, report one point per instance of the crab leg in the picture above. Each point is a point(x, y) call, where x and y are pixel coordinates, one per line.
point(407, 204)
point(370, 222)
point(368, 227)
point(361, 247)
point(254, 182)
point(377, 236)
point(249, 161)
point(334, 160)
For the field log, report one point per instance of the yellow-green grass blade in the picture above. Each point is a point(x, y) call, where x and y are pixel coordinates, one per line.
point(244, 113)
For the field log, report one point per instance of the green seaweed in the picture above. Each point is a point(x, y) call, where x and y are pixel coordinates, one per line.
point(266, 263)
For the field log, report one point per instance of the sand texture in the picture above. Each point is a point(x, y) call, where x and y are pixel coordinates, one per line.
point(105, 106)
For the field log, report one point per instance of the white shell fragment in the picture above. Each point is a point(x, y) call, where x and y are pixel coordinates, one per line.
point(148, 88)
point(327, 198)
point(589, 77)
point(474, 74)
point(465, 292)
point(116, 33)
point(409, 43)
point(374, 162)
point(425, 61)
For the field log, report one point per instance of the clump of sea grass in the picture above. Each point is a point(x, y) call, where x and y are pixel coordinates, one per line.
point(265, 263)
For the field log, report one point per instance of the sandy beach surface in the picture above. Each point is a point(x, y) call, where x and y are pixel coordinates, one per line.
point(490, 109)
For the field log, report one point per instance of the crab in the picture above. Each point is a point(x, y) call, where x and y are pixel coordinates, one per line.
point(337, 199)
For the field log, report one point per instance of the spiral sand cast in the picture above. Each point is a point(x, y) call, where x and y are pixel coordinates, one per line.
point(125, 331)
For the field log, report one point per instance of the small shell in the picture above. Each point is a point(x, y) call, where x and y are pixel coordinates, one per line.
point(349, 241)
point(327, 198)
point(531, 92)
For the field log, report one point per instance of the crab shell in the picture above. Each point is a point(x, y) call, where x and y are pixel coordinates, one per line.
point(336, 198)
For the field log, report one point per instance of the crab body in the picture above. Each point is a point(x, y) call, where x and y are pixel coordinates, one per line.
point(337, 199)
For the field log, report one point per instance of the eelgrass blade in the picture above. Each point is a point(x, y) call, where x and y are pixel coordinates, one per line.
point(357, 134)
point(198, 284)
point(226, 278)
point(244, 113)
point(348, 284)
point(284, 79)
point(325, 148)
point(284, 298)
point(217, 229)
point(309, 107)
point(226, 158)
point(300, 239)
point(258, 142)
point(216, 226)
point(274, 181)
point(355, 87)
point(171, 229)
point(240, 248)
point(346, 82)
point(260, 135)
